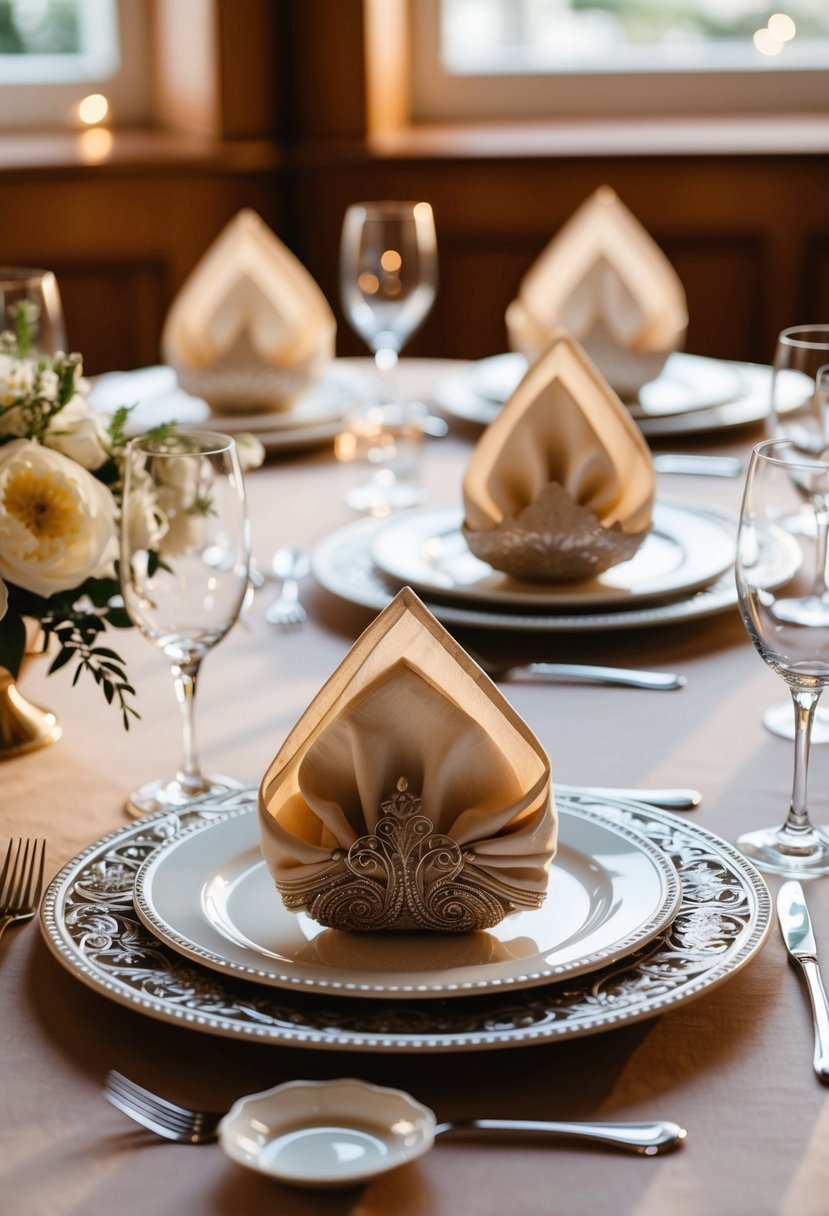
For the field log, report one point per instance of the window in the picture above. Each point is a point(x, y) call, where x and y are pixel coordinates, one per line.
point(511, 58)
point(54, 52)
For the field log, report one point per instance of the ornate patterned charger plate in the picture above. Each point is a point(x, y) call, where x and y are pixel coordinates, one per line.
point(89, 920)
point(342, 563)
point(686, 549)
point(208, 895)
point(689, 398)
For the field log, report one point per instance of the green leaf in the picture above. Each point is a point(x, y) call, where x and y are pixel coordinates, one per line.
point(12, 643)
point(61, 659)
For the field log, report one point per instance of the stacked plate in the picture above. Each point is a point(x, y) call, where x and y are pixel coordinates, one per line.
point(177, 917)
point(313, 419)
point(682, 571)
point(693, 394)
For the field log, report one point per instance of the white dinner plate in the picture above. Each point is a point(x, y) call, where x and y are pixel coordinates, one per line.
point(685, 549)
point(315, 417)
point(342, 564)
point(692, 400)
point(208, 894)
point(89, 921)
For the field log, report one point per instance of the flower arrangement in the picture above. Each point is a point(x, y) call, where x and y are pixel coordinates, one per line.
point(60, 475)
point(61, 468)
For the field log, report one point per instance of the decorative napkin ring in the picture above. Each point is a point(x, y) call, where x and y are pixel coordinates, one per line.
point(410, 795)
point(561, 485)
point(406, 875)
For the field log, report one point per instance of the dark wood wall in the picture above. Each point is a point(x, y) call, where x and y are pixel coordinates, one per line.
point(747, 230)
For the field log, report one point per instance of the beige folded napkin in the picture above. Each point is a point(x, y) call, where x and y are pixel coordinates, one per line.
point(250, 329)
point(560, 485)
point(603, 278)
point(409, 795)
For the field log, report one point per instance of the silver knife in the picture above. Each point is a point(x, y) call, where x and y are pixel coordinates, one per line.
point(691, 462)
point(796, 928)
point(581, 673)
point(670, 799)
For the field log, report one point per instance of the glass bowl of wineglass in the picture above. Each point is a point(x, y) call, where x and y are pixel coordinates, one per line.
point(388, 282)
point(799, 410)
point(35, 292)
point(784, 602)
point(185, 556)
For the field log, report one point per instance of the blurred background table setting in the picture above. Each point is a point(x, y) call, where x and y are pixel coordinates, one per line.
point(469, 881)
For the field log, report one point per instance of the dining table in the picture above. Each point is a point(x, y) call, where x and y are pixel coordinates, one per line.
point(732, 1066)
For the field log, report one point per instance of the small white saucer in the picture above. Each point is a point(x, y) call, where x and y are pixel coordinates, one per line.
point(326, 1134)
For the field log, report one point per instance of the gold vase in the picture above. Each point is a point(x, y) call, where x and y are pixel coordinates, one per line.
point(24, 727)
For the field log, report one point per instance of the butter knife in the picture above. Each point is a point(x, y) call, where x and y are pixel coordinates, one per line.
point(580, 673)
point(796, 928)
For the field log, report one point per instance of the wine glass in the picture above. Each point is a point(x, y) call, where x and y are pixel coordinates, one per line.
point(185, 556)
point(36, 293)
point(800, 412)
point(388, 280)
point(784, 602)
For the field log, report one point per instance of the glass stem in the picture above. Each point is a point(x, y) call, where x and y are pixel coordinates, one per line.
point(189, 775)
point(805, 703)
point(822, 526)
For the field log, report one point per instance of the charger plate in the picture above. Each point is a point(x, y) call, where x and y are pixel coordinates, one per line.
point(88, 919)
point(685, 549)
point(342, 563)
point(208, 895)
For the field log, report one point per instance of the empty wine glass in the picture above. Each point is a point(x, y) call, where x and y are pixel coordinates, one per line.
point(388, 279)
point(785, 607)
point(185, 555)
point(35, 293)
point(800, 412)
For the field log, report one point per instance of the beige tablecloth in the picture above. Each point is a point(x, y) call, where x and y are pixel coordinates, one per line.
point(734, 1066)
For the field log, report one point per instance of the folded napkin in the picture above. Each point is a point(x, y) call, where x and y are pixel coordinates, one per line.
point(561, 485)
point(250, 329)
point(409, 795)
point(603, 278)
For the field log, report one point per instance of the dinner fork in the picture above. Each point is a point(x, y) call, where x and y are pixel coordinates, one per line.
point(186, 1126)
point(289, 564)
point(21, 881)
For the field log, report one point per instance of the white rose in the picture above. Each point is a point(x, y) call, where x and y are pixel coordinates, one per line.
point(57, 523)
point(79, 433)
point(4, 599)
point(251, 452)
point(144, 520)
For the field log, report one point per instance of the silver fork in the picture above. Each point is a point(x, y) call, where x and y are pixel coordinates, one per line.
point(186, 1126)
point(289, 564)
point(21, 881)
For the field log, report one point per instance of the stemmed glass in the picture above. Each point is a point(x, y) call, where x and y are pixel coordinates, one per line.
point(785, 606)
point(388, 280)
point(185, 555)
point(37, 291)
point(800, 412)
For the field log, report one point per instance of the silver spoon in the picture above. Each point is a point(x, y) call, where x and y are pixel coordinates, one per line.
point(289, 564)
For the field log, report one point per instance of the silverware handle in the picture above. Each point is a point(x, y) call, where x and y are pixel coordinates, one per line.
point(589, 673)
point(672, 800)
point(644, 1138)
point(696, 465)
point(820, 1015)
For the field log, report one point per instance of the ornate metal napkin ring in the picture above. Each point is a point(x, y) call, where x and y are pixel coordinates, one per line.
point(406, 875)
point(554, 539)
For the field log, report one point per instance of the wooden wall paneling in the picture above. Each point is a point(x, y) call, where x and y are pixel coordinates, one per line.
point(814, 279)
point(114, 311)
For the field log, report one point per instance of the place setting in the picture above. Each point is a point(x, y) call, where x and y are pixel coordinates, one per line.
point(604, 279)
point(559, 527)
point(248, 347)
point(382, 892)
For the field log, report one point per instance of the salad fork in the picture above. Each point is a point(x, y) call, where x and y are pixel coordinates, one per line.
point(186, 1126)
point(21, 881)
point(289, 564)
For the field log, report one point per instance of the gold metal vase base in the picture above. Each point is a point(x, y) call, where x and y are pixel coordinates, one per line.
point(24, 727)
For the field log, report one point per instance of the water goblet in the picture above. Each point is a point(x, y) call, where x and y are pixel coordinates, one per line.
point(185, 555)
point(388, 280)
point(34, 295)
point(785, 607)
point(800, 412)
